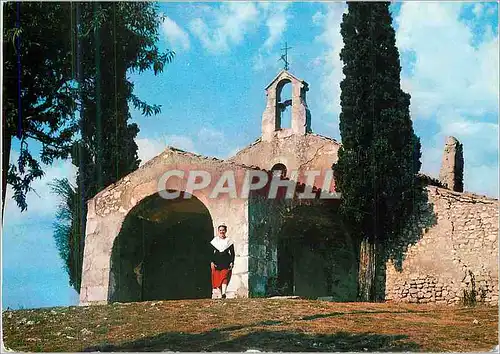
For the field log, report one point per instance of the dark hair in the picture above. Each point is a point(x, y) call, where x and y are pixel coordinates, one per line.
point(224, 226)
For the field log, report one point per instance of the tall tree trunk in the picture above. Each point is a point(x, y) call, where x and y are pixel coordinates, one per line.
point(367, 270)
point(380, 273)
point(6, 145)
point(81, 167)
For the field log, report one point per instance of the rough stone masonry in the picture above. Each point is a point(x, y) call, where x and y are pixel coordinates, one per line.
point(459, 253)
point(452, 167)
point(458, 256)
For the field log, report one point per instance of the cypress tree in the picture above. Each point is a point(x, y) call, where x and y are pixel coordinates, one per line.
point(114, 38)
point(380, 154)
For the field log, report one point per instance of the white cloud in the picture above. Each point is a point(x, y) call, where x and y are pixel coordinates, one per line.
point(42, 202)
point(455, 82)
point(149, 148)
point(181, 142)
point(478, 9)
point(276, 22)
point(207, 141)
point(319, 18)
point(333, 43)
point(449, 72)
point(480, 144)
point(263, 60)
point(432, 157)
point(233, 152)
point(212, 142)
point(492, 9)
point(482, 179)
point(175, 35)
point(478, 178)
point(452, 80)
point(210, 134)
point(220, 28)
point(227, 26)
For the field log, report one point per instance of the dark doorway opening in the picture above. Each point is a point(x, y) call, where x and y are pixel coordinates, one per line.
point(161, 252)
point(316, 255)
point(286, 284)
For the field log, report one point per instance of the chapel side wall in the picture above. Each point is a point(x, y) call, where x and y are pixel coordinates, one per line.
point(235, 216)
point(105, 216)
point(262, 247)
point(465, 238)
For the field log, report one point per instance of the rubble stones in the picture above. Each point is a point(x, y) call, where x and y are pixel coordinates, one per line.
point(463, 240)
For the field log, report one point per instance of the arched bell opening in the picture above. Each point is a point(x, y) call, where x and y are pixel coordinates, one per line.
point(279, 170)
point(284, 105)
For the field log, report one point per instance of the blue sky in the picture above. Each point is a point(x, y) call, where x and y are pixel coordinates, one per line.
point(212, 98)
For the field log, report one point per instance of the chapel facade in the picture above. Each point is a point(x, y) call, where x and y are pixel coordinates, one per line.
point(140, 246)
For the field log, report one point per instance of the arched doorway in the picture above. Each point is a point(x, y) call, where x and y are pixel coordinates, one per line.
point(161, 252)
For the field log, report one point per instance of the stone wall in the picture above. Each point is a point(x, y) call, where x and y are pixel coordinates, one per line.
point(264, 223)
point(459, 253)
point(451, 174)
point(296, 152)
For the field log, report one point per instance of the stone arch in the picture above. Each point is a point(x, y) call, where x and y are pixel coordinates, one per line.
point(284, 104)
point(107, 211)
point(300, 115)
point(160, 252)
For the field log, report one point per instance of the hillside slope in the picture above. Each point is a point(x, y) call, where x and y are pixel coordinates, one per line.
point(261, 324)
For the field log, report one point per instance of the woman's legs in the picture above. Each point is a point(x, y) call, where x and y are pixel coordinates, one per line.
point(220, 279)
point(226, 280)
point(215, 287)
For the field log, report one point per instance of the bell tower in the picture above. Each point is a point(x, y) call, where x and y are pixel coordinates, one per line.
point(271, 118)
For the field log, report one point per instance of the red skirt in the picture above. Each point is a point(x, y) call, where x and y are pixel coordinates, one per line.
point(219, 277)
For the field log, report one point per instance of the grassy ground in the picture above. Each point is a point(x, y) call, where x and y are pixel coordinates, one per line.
point(242, 324)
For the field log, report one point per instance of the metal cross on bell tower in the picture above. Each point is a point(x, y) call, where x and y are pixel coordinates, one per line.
point(284, 57)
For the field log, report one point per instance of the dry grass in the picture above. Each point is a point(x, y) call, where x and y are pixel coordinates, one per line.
point(263, 324)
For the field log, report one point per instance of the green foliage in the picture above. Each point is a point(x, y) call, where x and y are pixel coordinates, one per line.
point(117, 38)
point(66, 229)
point(48, 35)
point(469, 297)
point(114, 38)
point(47, 95)
point(380, 154)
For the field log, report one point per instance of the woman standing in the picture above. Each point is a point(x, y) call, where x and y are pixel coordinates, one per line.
point(222, 260)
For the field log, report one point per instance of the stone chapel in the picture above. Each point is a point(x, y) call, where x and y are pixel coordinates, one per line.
point(135, 238)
